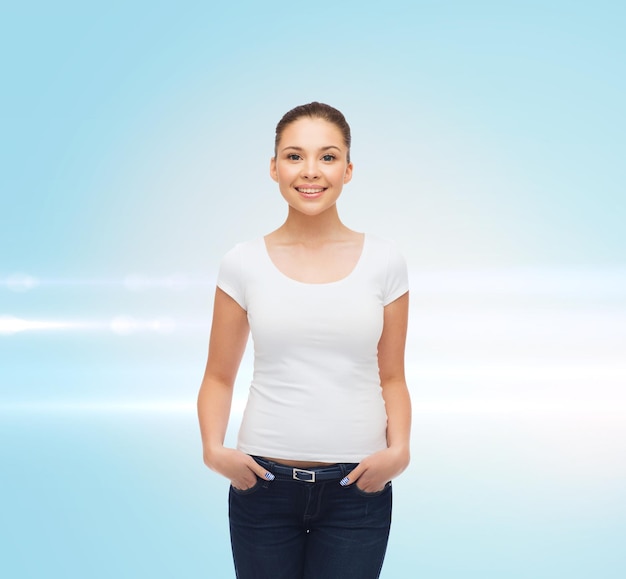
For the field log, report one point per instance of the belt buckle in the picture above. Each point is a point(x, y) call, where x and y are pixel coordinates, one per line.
point(310, 473)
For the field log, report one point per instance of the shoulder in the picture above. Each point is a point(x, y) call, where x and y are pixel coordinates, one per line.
point(242, 250)
point(248, 245)
point(380, 241)
point(235, 268)
point(383, 247)
point(235, 260)
point(390, 266)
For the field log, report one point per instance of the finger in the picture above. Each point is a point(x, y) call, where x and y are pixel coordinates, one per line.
point(258, 470)
point(245, 483)
point(353, 476)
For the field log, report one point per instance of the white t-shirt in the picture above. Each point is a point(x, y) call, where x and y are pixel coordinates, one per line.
point(315, 393)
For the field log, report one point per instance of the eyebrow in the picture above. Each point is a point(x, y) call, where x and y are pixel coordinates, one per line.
point(301, 149)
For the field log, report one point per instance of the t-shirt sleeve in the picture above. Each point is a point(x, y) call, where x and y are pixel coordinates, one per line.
point(230, 276)
point(397, 279)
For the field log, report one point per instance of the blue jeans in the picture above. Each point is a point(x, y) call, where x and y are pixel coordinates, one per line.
point(295, 529)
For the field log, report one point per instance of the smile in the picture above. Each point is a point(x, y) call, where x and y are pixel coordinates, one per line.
point(310, 190)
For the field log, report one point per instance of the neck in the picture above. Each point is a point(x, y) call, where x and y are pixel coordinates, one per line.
point(299, 227)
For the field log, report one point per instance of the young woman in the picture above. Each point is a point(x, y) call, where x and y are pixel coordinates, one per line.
point(327, 422)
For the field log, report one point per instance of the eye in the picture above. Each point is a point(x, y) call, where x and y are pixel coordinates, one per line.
point(293, 156)
point(328, 158)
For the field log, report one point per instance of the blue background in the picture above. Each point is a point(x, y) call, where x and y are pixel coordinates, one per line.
point(488, 141)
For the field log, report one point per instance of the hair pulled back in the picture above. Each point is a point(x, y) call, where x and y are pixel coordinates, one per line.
point(315, 110)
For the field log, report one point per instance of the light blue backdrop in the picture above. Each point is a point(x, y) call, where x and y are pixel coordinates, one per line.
point(135, 140)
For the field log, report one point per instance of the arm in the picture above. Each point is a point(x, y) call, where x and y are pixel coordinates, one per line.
point(374, 471)
point(229, 334)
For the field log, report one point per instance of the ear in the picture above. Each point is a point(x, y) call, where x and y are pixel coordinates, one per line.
point(273, 171)
point(347, 177)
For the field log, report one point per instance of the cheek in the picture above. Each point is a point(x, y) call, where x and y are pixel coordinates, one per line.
point(287, 175)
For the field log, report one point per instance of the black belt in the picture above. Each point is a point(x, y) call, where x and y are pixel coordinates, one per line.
point(310, 475)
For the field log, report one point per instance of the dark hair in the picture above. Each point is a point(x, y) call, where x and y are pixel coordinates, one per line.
point(315, 110)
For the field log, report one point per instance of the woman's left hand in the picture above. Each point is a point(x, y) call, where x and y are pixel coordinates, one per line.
point(375, 471)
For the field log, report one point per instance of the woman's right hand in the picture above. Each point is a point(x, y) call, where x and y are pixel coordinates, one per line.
point(240, 468)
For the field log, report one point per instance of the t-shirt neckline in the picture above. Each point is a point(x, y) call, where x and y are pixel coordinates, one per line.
point(326, 283)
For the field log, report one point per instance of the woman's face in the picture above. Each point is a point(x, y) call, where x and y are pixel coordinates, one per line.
point(311, 165)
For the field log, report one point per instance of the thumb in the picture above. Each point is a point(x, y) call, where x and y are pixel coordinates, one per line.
point(258, 470)
point(352, 476)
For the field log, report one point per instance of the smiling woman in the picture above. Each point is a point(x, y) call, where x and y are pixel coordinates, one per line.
point(327, 422)
point(311, 164)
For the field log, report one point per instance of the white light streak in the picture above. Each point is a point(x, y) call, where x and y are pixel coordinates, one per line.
point(103, 406)
point(12, 325)
point(535, 405)
point(119, 325)
point(585, 282)
point(176, 282)
point(21, 282)
point(514, 372)
point(123, 325)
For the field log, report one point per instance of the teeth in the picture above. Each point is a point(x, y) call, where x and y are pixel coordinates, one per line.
point(310, 190)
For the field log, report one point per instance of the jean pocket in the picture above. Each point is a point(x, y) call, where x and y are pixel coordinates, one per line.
point(249, 491)
point(363, 493)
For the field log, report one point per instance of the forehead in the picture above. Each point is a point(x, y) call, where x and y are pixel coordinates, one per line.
point(308, 131)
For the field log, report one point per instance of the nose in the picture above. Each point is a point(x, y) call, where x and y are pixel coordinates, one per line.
point(310, 169)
